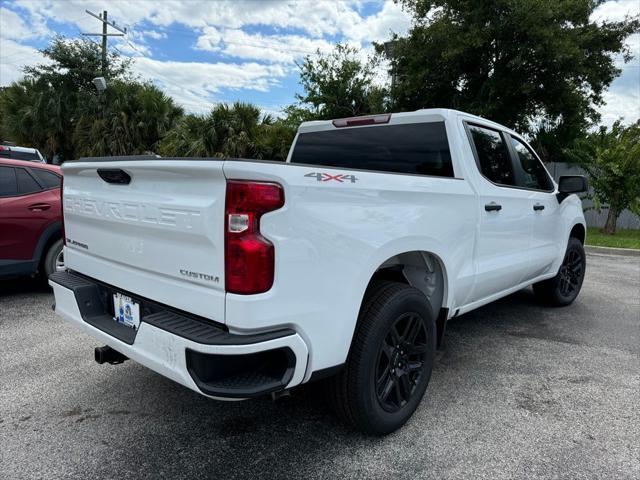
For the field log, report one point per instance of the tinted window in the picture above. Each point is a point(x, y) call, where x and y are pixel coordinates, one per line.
point(21, 155)
point(493, 155)
point(531, 172)
point(46, 179)
point(420, 148)
point(8, 185)
point(26, 183)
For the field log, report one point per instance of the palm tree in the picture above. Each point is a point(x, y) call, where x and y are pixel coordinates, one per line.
point(128, 118)
point(239, 130)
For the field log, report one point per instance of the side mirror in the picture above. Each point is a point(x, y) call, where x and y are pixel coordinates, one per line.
point(572, 184)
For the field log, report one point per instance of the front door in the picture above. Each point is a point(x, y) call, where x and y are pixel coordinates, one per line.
point(547, 238)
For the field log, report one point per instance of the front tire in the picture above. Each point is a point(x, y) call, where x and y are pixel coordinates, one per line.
point(564, 288)
point(390, 361)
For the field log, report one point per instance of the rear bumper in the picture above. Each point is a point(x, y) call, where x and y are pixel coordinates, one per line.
point(198, 354)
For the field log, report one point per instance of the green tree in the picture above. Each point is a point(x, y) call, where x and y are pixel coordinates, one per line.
point(191, 136)
point(518, 62)
point(274, 140)
point(239, 130)
point(612, 161)
point(41, 109)
point(128, 118)
point(337, 84)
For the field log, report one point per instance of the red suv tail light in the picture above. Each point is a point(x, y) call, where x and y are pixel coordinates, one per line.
point(249, 257)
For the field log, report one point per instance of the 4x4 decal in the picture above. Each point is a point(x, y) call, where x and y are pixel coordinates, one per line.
point(327, 177)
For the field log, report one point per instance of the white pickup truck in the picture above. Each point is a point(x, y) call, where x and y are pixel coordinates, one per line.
point(238, 278)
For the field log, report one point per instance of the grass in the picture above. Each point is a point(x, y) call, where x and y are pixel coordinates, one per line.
point(622, 238)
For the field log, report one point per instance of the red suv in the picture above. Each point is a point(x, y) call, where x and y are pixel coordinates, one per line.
point(30, 218)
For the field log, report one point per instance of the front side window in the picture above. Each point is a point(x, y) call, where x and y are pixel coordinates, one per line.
point(417, 148)
point(531, 172)
point(493, 156)
point(8, 184)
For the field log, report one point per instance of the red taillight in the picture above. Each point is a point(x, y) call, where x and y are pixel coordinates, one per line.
point(64, 237)
point(249, 257)
point(359, 121)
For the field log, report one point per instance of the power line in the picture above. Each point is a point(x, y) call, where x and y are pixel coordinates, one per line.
point(135, 48)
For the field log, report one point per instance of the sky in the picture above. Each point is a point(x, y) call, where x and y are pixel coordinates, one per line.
point(205, 52)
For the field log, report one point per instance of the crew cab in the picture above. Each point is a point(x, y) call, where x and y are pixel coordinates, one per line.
point(30, 219)
point(238, 278)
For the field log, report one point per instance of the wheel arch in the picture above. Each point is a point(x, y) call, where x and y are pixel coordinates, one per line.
point(424, 270)
point(49, 236)
point(578, 231)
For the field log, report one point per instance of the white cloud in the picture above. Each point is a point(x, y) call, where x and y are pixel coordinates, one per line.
point(615, 11)
point(12, 26)
point(633, 41)
point(193, 84)
point(379, 27)
point(155, 34)
point(317, 19)
point(622, 100)
point(271, 48)
point(625, 106)
point(13, 57)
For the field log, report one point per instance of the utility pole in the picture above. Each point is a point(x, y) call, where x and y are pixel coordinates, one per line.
point(105, 23)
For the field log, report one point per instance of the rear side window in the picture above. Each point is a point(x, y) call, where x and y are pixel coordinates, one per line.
point(493, 155)
point(46, 179)
point(26, 183)
point(531, 172)
point(8, 184)
point(418, 148)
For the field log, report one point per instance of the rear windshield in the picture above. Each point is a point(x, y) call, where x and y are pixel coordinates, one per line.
point(19, 155)
point(418, 148)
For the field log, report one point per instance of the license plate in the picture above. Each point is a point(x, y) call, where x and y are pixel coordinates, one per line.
point(126, 311)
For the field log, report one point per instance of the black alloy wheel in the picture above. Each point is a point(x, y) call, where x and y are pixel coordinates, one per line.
point(401, 359)
point(570, 273)
point(564, 288)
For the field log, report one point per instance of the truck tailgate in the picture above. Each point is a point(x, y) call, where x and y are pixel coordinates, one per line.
point(159, 236)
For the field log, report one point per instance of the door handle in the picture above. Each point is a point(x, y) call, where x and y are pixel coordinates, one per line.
point(537, 207)
point(39, 207)
point(492, 207)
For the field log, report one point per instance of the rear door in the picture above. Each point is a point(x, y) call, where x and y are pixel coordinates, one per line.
point(546, 236)
point(154, 228)
point(26, 210)
point(504, 229)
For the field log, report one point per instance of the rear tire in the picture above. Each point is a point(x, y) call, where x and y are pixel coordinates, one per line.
point(53, 258)
point(564, 288)
point(382, 384)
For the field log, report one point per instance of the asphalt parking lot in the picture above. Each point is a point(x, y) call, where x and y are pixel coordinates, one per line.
point(520, 391)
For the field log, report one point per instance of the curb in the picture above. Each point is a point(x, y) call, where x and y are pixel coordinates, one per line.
point(624, 252)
